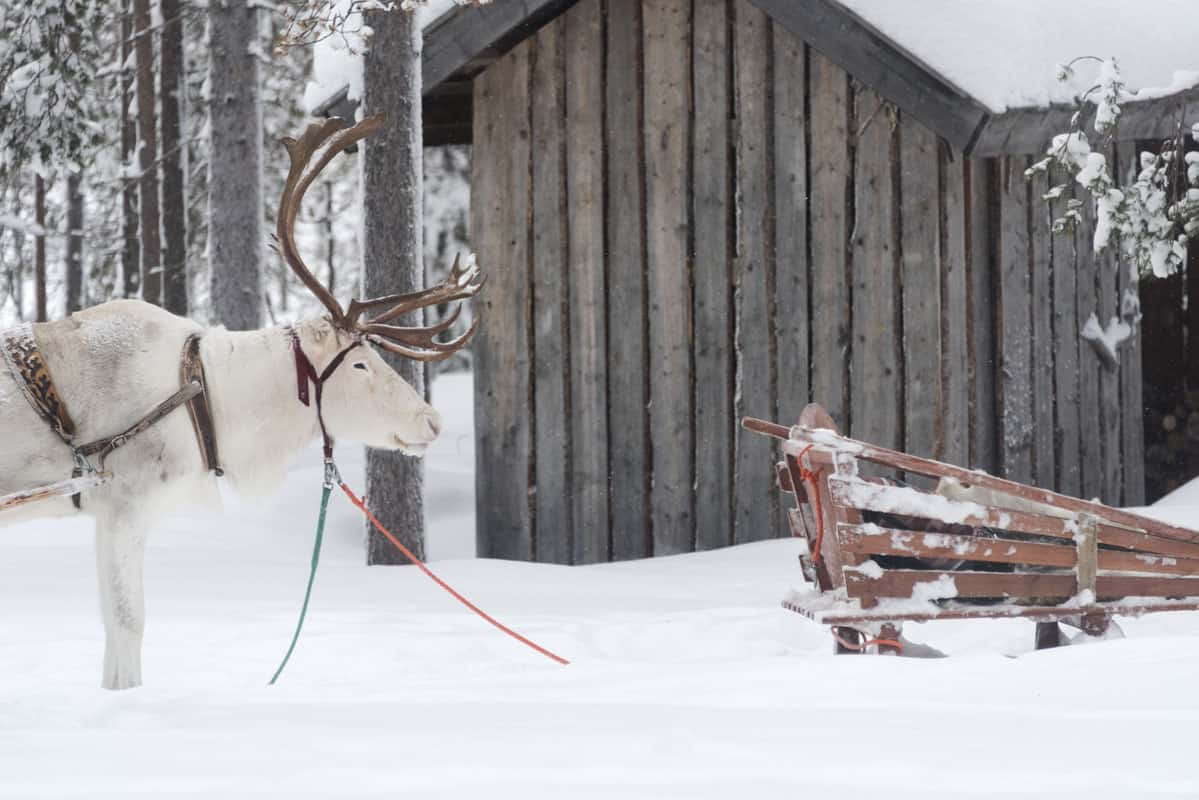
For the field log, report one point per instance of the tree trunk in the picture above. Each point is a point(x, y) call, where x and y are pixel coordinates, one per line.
point(74, 243)
point(18, 268)
point(39, 249)
point(174, 204)
point(147, 154)
point(391, 254)
point(131, 249)
point(330, 242)
point(235, 165)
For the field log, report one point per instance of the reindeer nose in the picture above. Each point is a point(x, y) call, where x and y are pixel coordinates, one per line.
point(433, 421)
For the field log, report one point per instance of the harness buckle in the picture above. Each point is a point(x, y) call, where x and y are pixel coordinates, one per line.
point(82, 465)
point(332, 476)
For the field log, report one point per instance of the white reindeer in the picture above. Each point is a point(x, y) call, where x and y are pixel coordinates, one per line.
point(113, 363)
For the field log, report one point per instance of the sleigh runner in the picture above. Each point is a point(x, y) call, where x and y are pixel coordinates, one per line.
point(881, 553)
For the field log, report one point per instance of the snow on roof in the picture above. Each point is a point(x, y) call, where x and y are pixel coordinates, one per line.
point(337, 60)
point(1005, 52)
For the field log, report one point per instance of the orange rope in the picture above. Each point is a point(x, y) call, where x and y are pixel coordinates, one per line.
point(421, 565)
point(811, 477)
point(898, 645)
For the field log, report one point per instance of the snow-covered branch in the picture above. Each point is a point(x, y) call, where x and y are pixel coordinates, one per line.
point(1152, 218)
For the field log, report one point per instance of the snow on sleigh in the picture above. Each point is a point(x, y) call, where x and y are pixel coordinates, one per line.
point(881, 552)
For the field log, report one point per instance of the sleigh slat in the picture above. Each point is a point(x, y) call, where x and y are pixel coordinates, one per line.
point(820, 612)
point(907, 501)
point(872, 540)
point(931, 585)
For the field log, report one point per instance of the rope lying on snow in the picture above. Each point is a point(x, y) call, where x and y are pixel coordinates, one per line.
point(331, 478)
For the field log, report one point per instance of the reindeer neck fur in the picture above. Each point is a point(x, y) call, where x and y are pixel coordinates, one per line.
point(261, 425)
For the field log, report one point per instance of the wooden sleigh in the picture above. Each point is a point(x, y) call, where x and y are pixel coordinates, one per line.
point(881, 553)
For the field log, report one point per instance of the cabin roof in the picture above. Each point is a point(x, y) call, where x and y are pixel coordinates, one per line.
point(976, 72)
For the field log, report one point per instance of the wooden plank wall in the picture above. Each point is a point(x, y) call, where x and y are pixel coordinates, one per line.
point(688, 215)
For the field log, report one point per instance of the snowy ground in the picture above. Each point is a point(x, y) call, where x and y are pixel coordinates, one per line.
point(688, 680)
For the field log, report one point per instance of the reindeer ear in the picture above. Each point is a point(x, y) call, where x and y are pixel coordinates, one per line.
point(322, 330)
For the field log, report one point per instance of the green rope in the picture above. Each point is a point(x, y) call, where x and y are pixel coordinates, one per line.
point(316, 557)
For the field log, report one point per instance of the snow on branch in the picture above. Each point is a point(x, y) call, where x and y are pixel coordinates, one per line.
point(308, 22)
point(1151, 218)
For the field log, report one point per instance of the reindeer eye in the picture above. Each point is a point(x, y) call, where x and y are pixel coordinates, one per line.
point(359, 365)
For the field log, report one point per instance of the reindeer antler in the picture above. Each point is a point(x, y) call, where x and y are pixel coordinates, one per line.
point(329, 138)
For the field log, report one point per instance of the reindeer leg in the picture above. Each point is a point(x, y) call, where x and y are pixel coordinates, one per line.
point(120, 551)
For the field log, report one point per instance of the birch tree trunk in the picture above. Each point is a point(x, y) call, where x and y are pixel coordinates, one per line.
point(174, 208)
point(235, 164)
point(39, 249)
point(74, 243)
point(147, 155)
point(391, 255)
point(131, 249)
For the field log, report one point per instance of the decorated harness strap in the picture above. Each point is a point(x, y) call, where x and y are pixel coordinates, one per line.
point(29, 371)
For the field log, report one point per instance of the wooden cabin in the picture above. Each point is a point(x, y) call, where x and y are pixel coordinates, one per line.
point(695, 210)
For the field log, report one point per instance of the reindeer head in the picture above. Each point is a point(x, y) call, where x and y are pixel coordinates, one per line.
point(365, 399)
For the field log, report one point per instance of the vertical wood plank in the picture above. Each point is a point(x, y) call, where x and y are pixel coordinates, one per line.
point(1132, 409)
point(1043, 384)
point(982, 268)
point(955, 310)
point(876, 374)
point(1015, 315)
point(1068, 428)
point(921, 273)
point(791, 224)
point(753, 273)
point(667, 133)
point(499, 209)
point(584, 42)
point(715, 416)
point(551, 277)
point(628, 390)
point(1085, 281)
point(828, 150)
point(1109, 377)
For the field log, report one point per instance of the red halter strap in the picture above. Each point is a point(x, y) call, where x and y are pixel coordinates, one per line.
point(305, 372)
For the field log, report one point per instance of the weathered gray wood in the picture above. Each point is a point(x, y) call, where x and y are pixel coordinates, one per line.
point(628, 390)
point(667, 132)
point(829, 172)
point(585, 211)
point(955, 312)
point(714, 325)
point(1067, 424)
point(500, 190)
point(1109, 378)
point(453, 46)
point(551, 314)
point(874, 60)
point(1132, 408)
point(1043, 384)
point(982, 261)
point(1015, 316)
point(876, 374)
point(792, 315)
point(921, 276)
point(1030, 130)
point(1086, 276)
point(753, 273)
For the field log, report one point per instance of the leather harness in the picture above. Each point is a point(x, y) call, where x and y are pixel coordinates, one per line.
point(21, 354)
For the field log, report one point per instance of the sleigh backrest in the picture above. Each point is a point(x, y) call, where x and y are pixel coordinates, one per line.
point(978, 537)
